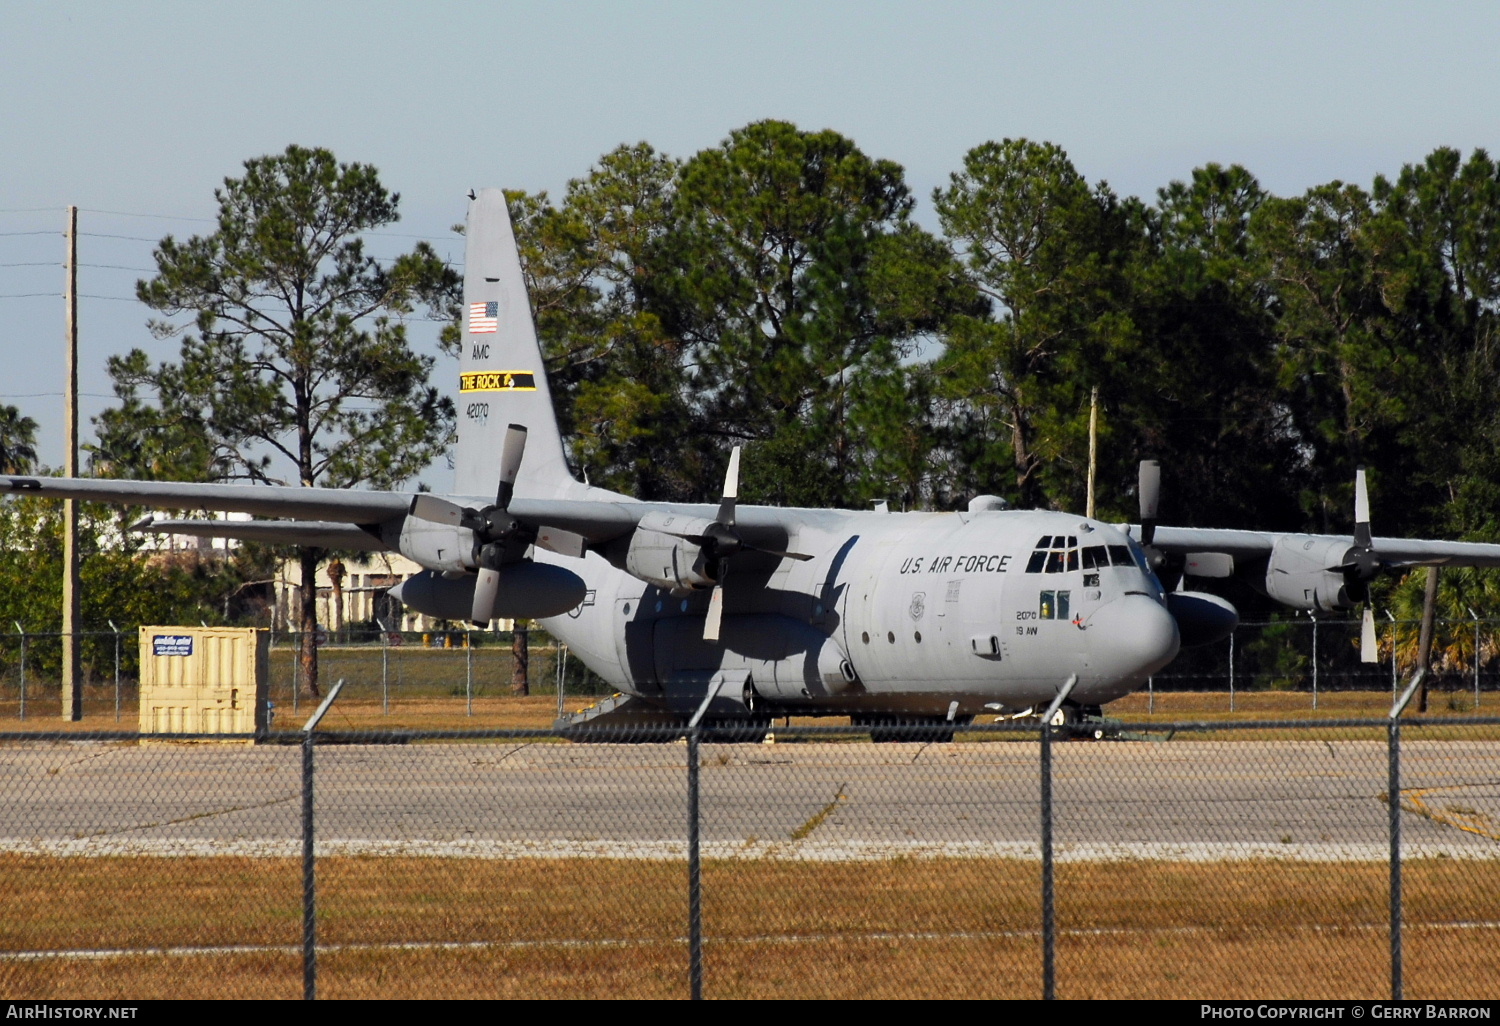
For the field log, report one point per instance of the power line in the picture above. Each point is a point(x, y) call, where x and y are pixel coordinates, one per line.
point(105, 235)
point(159, 217)
point(33, 233)
point(54, 263)
point(46, 395)
point(58, 295)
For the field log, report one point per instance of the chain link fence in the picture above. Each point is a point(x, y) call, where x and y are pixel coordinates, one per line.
point(445, 679)
point(420, 678)
point(1329, 858)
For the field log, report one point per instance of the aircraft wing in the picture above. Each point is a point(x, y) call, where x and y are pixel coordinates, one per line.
point(321, 534)
point(326, 517)
point(1248, 545)
point(344, 505)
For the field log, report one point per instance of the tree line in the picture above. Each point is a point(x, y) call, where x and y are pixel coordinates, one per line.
point(776, 291)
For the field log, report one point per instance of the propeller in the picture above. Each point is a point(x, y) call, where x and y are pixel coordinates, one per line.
point(1148, 490)
point(1361, 565)
point(719, 541)
point(495, 530)
point(1196, 564)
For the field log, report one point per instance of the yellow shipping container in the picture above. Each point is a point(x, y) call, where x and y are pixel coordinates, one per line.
point(204, 680)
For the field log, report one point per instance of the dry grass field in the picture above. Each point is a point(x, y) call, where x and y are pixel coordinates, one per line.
point(425, 928)
point(430, 701)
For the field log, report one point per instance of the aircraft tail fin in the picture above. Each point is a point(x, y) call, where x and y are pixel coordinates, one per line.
point(502, 380)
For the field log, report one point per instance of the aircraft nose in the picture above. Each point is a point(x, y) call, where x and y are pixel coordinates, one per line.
point(1132, 637)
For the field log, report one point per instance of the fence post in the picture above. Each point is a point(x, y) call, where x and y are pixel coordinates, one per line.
point(1049, 910)
point(468, 673)
point(22, 631)
point(1476, 658)
point(1231, 671)
point(385, 691)
point(1393, 790)
point(695, 864)
point(1313, 616)
point(117, 669)
point(561, 657)
point(309, 863)
point(309, 878)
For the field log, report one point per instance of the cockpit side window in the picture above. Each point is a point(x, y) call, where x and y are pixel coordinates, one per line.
point(1119, 555)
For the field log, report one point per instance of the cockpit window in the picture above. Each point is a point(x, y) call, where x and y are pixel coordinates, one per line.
point(1057, 554)
point(1119, 555)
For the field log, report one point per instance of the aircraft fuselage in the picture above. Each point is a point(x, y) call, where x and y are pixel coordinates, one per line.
point(901, 612)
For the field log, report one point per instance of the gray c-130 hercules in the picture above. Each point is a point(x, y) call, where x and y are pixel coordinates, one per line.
point(924, 616)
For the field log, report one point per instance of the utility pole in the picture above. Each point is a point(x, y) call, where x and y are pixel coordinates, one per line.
point(1093, 447)
point(72, 686)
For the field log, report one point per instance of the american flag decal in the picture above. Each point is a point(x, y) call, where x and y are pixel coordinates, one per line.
point(484, 317)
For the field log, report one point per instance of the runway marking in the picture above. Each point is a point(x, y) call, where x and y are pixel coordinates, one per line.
point(1468, 820)
point(200, 951)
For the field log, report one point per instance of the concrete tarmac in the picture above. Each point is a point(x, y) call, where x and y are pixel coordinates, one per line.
point(499, 799)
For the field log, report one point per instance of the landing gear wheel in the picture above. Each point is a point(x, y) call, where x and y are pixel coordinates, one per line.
point(922, 729)
point(749, 731)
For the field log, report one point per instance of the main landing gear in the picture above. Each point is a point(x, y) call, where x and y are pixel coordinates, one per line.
point(1084, 722)
point(888, 729)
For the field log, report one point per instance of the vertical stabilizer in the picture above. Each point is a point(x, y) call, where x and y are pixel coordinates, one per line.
point(501, 377)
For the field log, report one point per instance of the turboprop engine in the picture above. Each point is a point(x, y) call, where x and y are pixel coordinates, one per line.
point(663, 552)
point(1310, 573)
point(530, 590)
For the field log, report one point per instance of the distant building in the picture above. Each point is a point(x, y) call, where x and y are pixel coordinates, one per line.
point(358, 598)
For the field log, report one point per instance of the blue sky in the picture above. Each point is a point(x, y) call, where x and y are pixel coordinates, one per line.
point(143, 108)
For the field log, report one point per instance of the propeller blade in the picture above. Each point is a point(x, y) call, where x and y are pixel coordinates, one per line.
point(564, 543)
point(485, 591)
point(715, 617)
point(1361, 510)
point(1368, 652)
point(1209, 564)
point(802, 556)
point(436, 510)
point(731, 489)
point(1149, 491)
point(511, 452)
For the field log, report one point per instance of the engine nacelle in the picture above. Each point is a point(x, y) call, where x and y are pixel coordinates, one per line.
point(666, 560)
point(440, 546)
point(529, 590)
point(1201, 618)
point(1298, 573)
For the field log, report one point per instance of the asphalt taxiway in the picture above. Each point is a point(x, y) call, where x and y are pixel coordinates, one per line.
point(1178, 800)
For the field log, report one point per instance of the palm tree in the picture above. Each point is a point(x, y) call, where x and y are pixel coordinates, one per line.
point(17, 442)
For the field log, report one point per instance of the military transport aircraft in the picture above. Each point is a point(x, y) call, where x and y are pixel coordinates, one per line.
point(933, 617)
